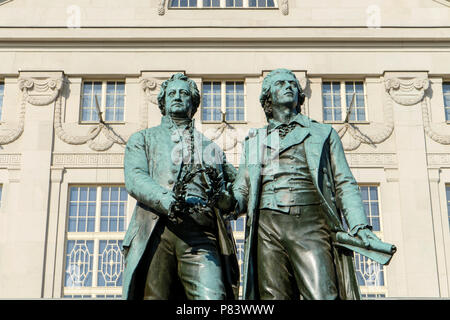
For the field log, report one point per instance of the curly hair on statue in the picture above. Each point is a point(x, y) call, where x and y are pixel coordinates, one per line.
point(195, 94)
point(265, 97)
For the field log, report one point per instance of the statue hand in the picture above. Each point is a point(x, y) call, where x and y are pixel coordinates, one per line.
point(367, 236)
point(226, 201)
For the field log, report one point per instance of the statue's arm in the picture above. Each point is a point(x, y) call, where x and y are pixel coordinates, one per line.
point(348, 197)
point(226, 201)
point(138, 182)
point(241, 183)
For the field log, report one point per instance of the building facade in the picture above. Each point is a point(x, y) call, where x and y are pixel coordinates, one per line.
point(76, 80)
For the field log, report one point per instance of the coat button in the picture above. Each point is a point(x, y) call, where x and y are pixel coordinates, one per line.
point(174, 170)
point(154, 217)
point(170, 181)
point(164, 192)
point(333, 199)
point(175, 139)
point(324, 170)
point(328, 184)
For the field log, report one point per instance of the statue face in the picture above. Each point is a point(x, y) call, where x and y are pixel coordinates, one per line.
point(178, 101)
point(284, 90)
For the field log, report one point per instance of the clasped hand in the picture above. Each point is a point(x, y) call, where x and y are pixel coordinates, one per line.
point(367, 236)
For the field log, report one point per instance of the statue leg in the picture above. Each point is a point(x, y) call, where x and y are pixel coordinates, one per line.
point(163, 266)
point(275, 275)
point(199, 266)
point(309, 246)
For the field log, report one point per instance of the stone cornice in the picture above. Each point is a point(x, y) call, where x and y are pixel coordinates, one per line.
point(226, 33)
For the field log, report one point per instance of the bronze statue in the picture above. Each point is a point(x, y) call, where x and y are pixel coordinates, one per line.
point(177, 244)
point(296, 187)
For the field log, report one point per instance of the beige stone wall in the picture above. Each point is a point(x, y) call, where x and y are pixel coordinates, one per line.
point(45, 149)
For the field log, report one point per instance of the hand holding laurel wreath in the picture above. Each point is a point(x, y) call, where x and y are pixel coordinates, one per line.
point(195, 207)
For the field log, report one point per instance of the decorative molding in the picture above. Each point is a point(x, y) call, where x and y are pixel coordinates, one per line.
point(284, 7)
point(406, 91)
point(375, 133)
point(438, 159)
point(228, 134)
point(14, 174)
point(391, 174)
point(9, 135)
point(162, 7)
point(443, 2)
point(10, 160)
point(372, 159)
point(37, 91)
point(2, 2)
point(434, 175)
point(88, 160)
point(151, 88)
point(435, 131)
point(45, 90)
point(56, 174)
point(100, 137)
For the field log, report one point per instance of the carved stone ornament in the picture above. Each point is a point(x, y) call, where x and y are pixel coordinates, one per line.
point(100, 137)
point(162, 7)
point(40, 91)
point(375, 133)
point(407, 91)
point(438, 132)
point(284, 7)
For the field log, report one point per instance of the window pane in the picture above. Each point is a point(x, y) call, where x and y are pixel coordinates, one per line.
point(327, 114)
point(174, 3)
point(79, 256)
point(270, 3)
point(327, 101)
point(252, 3)
point(110, 266)
point(261, 3)
point(373, 193)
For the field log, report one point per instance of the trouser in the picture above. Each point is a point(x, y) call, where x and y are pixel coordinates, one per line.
point(294, 255)
point(184, 253)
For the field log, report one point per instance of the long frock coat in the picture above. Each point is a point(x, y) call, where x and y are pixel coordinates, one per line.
point(151, 168)
point(333, 180)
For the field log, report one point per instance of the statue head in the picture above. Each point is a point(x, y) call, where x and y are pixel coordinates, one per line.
point(179, 96)
point(281, 87)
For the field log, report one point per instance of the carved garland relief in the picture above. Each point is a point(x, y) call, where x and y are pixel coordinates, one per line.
point(101, 137)
point(37, 92)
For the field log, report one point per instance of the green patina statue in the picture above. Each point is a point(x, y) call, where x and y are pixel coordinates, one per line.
point(178, 244)
point(296, 187)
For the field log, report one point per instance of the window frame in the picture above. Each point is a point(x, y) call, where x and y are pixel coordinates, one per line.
point(223, 97)
point(446, 82)
point(245, 6)
point(2, 99)
point(94, 291)
point(103, 101)
point(344, 101)
point(377, 291)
